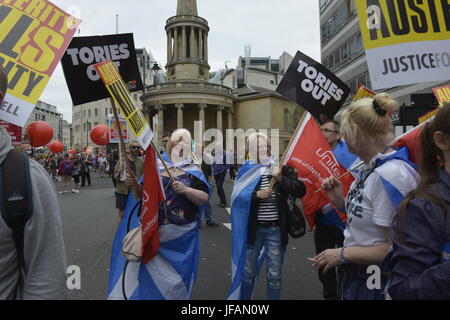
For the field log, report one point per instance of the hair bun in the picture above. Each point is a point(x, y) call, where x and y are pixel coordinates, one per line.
point(383, 104)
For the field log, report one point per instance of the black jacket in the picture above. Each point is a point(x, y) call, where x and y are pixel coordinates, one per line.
point(289, 185)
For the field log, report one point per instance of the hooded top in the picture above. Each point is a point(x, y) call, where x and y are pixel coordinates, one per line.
point(45, 260)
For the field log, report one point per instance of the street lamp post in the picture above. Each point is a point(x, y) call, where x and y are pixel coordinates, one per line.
point(88, 128)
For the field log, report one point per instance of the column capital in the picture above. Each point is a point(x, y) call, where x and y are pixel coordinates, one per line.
point(159, 107)
point(220, 108)
point(179, 105)
point(202, 106)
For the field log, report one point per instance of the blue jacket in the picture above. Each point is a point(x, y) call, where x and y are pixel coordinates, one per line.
point(421, 270)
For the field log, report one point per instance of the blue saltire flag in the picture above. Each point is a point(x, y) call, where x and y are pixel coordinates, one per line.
point(171, 274)
point(247, 179)
point(401, 179)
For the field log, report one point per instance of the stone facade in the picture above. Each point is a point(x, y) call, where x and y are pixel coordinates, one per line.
point(187, 96)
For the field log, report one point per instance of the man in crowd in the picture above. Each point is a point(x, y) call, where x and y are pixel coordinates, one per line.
point(327, 234)
point(66, 169)
point(219, 169)
point(32, 256)
point(137, 166)
point(165, 141)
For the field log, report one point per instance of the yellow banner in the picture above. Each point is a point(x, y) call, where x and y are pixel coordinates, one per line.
point(427, 116)
point(388, 22)
point(119, 91)
point(363, 92)
point(442, 95)
point(34, 35)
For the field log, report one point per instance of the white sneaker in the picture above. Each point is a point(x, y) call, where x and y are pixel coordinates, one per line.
point(77, 191)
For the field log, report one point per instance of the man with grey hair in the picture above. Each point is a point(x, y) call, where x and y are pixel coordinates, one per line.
point(120, 174)
point(32, 256)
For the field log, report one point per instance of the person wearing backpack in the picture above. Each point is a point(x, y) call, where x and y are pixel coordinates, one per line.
point(420, 261)
point(66, 169)
point(32, 252)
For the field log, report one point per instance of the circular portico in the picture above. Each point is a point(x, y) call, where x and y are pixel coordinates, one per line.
point(180, 104)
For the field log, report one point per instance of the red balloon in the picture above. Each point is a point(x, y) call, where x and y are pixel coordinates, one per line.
point(39, 133)
point(100, 134)
point(56, 146)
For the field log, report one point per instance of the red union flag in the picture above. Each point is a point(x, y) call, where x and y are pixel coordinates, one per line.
point(152, 195)
point(411, 140)
point(314, 160)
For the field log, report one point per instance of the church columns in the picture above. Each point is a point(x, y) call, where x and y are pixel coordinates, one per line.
point(183, 42)
point(230, 118)
point(191, 43)
point(205, 57)
point(201, 113)
point(160, 109)
point(200, 44)
point(169, 45)
point(219, 117)
point(175, 44)
point(179, 107)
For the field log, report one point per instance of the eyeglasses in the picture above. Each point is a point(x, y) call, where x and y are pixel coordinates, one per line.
point(329, 131)
point(134, 147)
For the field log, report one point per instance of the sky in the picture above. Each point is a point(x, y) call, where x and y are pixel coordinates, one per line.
point(271, 27)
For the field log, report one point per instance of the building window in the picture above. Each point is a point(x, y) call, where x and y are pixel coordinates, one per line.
point(89, 113)
point(337, 20)
point(106, 112)
point(84, 113)
point(351, 49)
point(96, 112)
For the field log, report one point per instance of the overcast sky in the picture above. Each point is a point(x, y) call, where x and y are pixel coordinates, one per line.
point(271, 27)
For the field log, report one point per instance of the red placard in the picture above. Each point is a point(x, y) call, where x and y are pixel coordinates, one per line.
point(14, 131)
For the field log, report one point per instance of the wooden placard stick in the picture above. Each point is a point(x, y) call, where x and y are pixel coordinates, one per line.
point(273, 181)
point(340, 177)
point(122, 146)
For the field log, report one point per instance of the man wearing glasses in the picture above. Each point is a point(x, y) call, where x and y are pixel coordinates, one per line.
point(326, 234)
point(137, 166)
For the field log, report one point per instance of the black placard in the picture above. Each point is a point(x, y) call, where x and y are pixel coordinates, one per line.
point(314, 87)
point(83, 53)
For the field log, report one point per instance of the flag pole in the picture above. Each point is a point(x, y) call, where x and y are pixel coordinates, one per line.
point(273, 181)
point(340, 177)
point(122, 145)
point(159, 155)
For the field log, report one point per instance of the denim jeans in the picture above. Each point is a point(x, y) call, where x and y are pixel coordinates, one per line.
point(208, 213)
point(270, 238)
point(219, 183)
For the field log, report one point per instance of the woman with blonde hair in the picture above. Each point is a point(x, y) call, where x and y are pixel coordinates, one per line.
point(171, 274)
point(371, 204)
point(259, 219)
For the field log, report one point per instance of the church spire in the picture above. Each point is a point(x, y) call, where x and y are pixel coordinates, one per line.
point(187, 8)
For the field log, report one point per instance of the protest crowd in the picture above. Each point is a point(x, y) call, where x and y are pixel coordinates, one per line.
point(373, 201)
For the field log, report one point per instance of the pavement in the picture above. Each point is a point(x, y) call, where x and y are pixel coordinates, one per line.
point(90, 222)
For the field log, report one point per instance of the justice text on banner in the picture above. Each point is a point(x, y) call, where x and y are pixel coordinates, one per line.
point(406, 42)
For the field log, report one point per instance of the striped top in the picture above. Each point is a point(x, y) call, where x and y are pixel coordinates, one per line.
point(267, 208)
